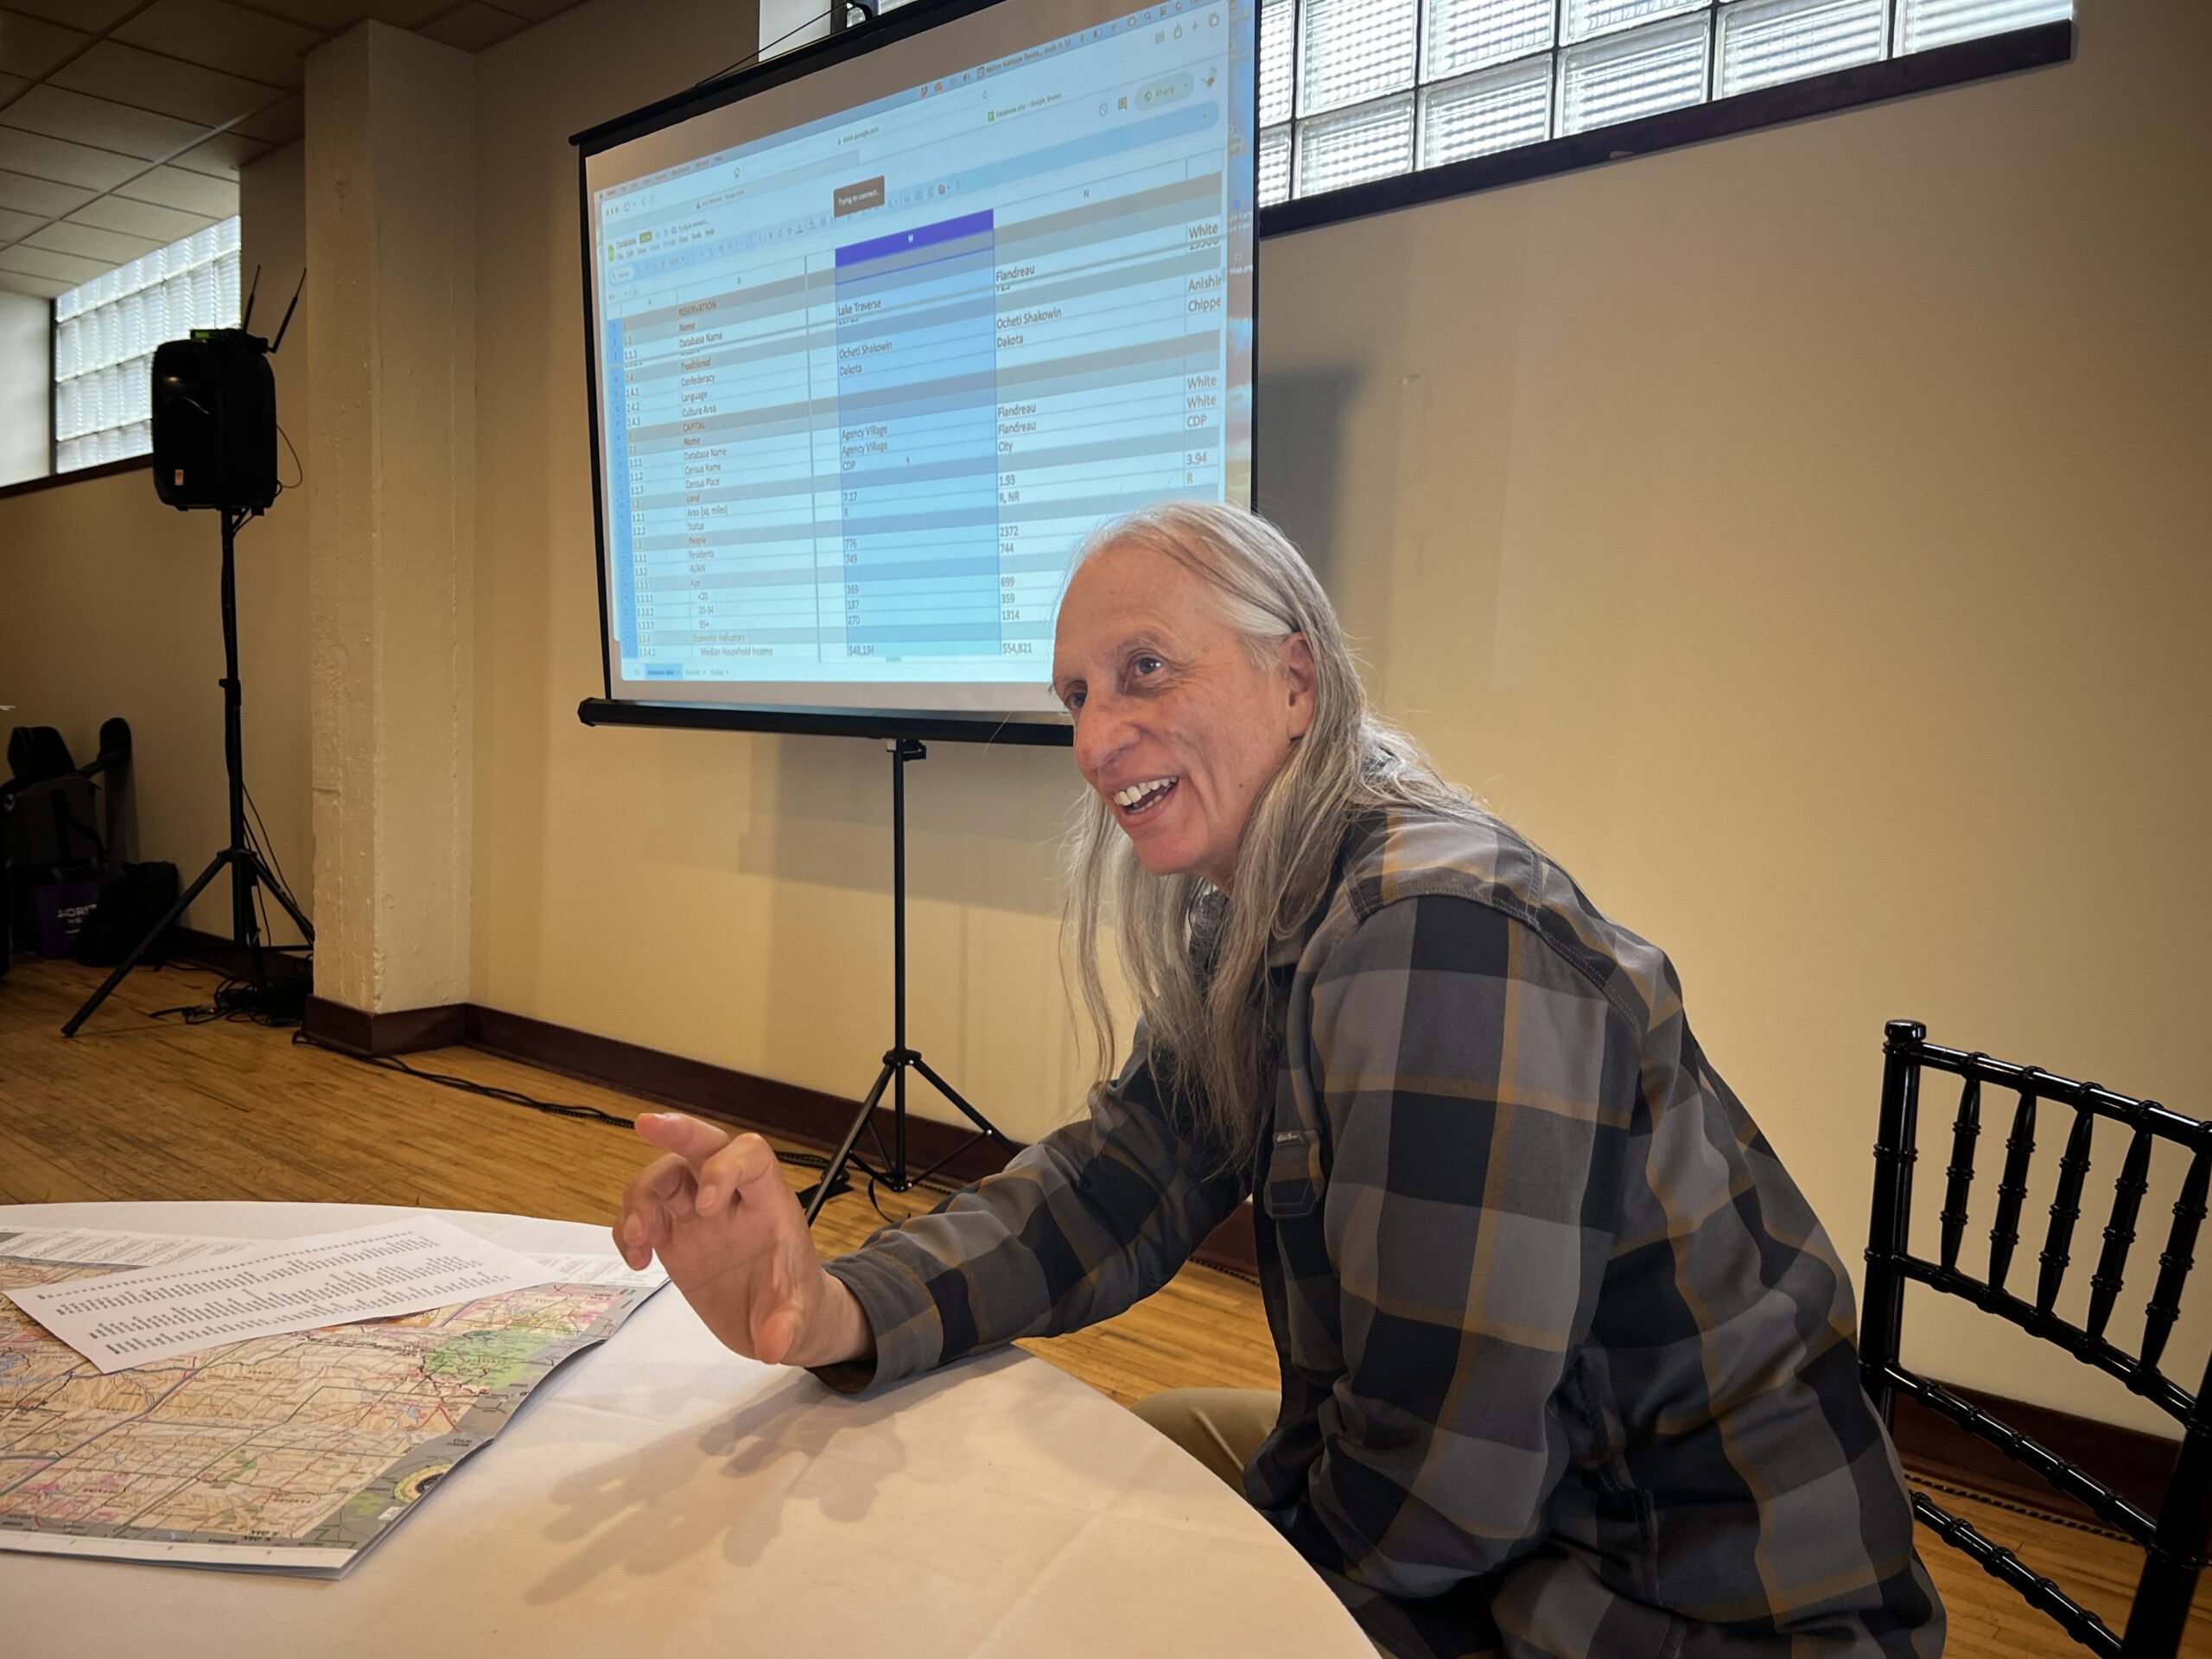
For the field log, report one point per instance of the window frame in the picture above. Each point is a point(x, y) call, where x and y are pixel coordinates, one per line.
point(2038, 46)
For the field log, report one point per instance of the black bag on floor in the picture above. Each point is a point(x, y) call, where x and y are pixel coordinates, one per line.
point(128, 904)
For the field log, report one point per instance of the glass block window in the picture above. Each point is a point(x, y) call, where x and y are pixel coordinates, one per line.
point(1349, 51)
point(1765, 43)
point(105, 333)
point(1462, 35)
point(1491, 110)
point(1631, 73)
point(1350, 146)
point(1355, 89)
point(1925, 23)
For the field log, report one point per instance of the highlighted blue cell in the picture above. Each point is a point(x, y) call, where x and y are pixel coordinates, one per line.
point(945, 230)
point(618, 480)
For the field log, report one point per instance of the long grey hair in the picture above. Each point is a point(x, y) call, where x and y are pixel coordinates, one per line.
point(1196, 957)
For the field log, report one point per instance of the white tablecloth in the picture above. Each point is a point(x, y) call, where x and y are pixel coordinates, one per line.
point(661, 1494)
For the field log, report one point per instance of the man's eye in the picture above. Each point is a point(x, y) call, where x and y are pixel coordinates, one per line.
point(1073, 701)
point(1146, 665)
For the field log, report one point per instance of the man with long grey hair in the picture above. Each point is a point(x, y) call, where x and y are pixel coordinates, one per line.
point(1568, 1361)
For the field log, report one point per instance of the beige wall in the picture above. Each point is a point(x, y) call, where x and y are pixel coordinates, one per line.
point(109, 606)
point(1800, 534)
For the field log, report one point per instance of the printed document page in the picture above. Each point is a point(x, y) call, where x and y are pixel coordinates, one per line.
point(123, 1319)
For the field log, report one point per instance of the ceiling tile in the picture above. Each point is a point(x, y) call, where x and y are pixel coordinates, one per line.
point(14, 226)
point(61, 267)
point(473, 26)
point(57, 159)
point(150, 81)
point(44, 287)
point(29, 46)
point(335, 17)
point(26, 194)
point(110, 247)
point(9, 85)
point(60, 114)
point(279, 123)
point(225, 37)
point(194, 193)
point(163, 224)
point(220, 154)
point(98, 16)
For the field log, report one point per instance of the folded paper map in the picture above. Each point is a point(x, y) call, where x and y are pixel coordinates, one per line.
point(293, 1451)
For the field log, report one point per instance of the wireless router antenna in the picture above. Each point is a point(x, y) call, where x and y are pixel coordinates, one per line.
point(253, 288)
point(289, 309)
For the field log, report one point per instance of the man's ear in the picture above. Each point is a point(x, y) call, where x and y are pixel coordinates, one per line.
point(1295, 659)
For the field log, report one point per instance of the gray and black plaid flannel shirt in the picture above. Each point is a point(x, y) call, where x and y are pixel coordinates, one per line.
point(1567, 1363)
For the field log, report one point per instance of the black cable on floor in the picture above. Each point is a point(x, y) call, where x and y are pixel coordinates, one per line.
point(2032, 1512)
point(202, 1015)
point(516, 1097)
point(236, 1000)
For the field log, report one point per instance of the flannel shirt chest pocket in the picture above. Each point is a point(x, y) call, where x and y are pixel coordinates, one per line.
point(1291, 1178)
point(1292, 1186)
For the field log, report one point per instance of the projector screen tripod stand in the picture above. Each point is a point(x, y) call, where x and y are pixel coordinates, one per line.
point(892, 1168)
point(244, 863)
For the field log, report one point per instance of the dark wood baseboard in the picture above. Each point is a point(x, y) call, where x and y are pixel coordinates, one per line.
point(808, 1116)
point(213, 951)
point(1231, 1246)
point(2133, 1463)
point(400, 1032)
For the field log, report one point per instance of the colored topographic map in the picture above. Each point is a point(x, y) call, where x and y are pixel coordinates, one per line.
point(290, 1452)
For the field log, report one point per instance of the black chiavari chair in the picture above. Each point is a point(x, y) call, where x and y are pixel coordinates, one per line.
point(2173, 1539)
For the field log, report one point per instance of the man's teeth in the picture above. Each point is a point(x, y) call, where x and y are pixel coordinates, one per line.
point(1136, 792)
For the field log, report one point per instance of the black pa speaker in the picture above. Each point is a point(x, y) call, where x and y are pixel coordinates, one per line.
point(215, 421)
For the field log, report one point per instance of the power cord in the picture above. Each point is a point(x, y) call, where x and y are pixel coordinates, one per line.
point(2033, 1511)
point(281, 1003)
point(531, 1103)
point(488, 1091)
point(754, 56)
point(237, 1001)
point(298, 466)
point(262, 841)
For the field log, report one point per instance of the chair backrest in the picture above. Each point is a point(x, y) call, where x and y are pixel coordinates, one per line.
point(2174, 1539)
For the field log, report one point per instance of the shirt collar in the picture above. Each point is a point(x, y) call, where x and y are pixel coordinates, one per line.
point(1284, 951)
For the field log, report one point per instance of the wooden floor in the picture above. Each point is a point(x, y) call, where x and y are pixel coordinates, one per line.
point(136, 1108)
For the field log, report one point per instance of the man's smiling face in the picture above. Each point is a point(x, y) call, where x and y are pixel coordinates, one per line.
point(1176, 726)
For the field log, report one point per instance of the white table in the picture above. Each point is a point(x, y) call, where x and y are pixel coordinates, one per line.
point(662, 1495)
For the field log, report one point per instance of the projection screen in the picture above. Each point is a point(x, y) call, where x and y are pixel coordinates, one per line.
point(879, 332)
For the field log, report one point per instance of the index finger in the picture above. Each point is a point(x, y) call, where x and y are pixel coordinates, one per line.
point(684, 1136)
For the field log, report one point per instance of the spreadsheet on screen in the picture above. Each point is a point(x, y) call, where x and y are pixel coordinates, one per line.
point(867, 382)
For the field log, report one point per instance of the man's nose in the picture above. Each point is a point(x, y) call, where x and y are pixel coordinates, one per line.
point(1102, 731)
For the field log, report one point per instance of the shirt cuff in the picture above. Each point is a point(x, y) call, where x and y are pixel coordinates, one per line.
point(900, 1312)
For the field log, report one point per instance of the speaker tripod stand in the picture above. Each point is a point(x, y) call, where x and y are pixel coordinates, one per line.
point(243, 862)
point(892, 1168)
